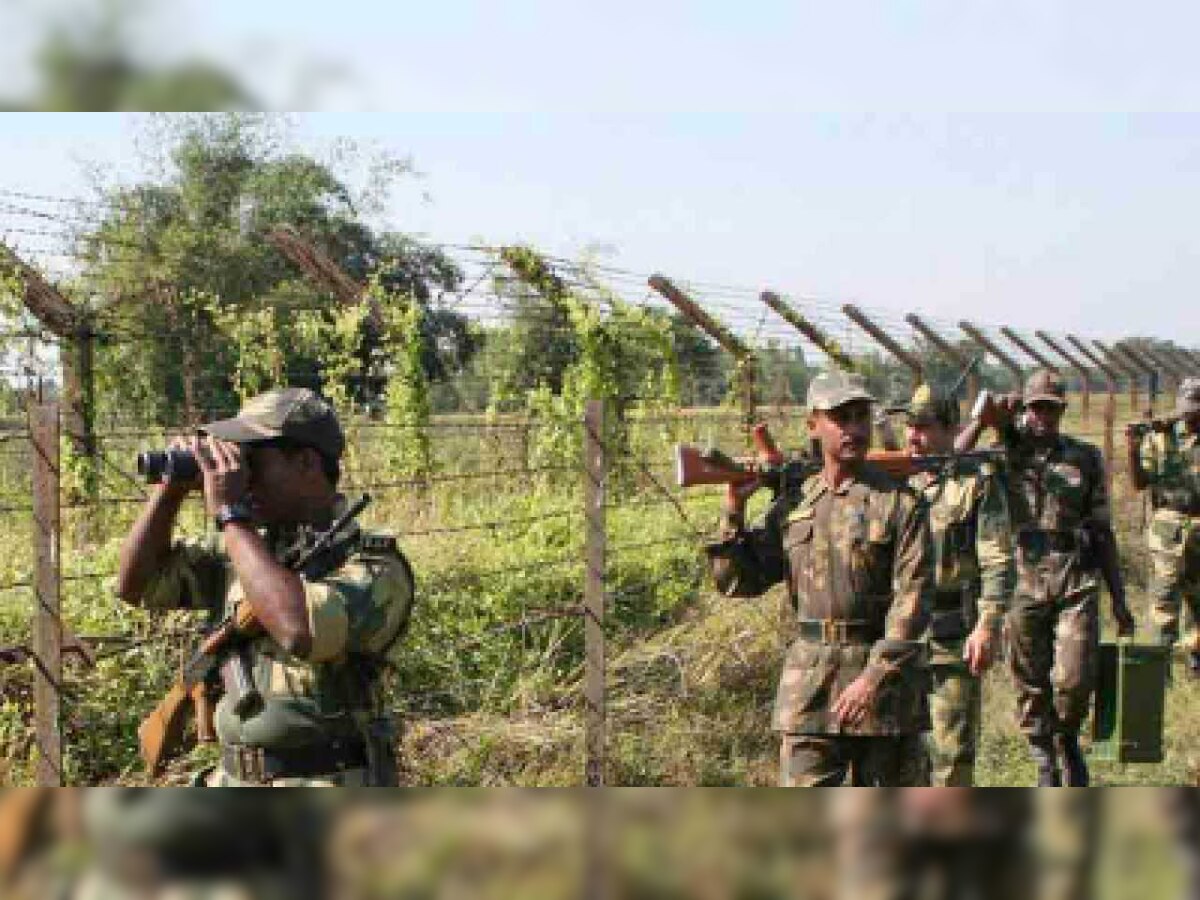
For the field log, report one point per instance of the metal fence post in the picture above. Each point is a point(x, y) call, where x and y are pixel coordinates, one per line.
point(47, 616)
point(595, 476)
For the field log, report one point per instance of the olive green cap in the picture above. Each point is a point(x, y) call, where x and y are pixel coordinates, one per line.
point(835, 388)
point(933, 404)
point(1187, 398)
point(297, 414)
point(1045, 386)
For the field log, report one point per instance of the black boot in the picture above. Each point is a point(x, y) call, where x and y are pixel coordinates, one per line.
point(1042, 749)
point(1074, 765)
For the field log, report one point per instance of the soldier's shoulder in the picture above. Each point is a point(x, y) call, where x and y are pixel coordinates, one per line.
point(1079, 448)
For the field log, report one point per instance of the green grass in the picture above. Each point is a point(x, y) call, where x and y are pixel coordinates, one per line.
point(491, 683)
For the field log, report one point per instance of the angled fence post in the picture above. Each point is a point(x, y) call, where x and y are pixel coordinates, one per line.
point(989, 346)
point(747, 375)
point(1123, 364)
point(950, 351)
point(818, 337)
point(1074, 363)
point(1110, 407)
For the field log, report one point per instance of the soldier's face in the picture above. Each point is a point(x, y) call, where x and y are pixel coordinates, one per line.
point(1043, 418)
point(845, 432)
point(928, 438)
point(278, 484)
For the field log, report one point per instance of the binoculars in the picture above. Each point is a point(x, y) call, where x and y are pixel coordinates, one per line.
point(167, 465)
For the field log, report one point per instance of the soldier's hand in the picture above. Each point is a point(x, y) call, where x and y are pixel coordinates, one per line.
point(989, 412)
point(980, 650)
point(182, 486)
point(226, 476)
point(855, 702)
point(738, 493)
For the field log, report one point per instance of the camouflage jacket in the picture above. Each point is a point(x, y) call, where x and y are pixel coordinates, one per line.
point(1171, 461)
point(974, 571)
point(356, 614)
point(859, 553)
point(1056, 489)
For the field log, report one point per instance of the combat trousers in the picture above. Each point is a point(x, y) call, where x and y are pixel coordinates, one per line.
point(1173, 540)
point(955, 708)
point(1053, 650)
point(821, 760)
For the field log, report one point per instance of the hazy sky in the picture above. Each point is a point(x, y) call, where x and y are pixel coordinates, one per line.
point(956, 158)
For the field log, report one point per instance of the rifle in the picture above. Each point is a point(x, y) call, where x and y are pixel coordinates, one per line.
point(695, 466)
point(161, 733)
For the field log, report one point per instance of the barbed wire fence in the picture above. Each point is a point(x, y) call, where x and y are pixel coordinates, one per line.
point(507, 632)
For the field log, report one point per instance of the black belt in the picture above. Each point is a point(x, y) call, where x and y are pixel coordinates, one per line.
point(944, 601)
point(838, 631)
point(258, 765)
point(948, 624)
point(1177, 501)
point(1035, 540)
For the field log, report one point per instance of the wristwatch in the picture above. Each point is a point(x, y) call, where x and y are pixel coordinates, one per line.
point(238, 511)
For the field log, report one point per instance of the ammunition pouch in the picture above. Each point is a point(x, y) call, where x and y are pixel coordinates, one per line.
point(258, 765)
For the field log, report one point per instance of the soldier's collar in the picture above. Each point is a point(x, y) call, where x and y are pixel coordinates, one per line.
point(287, 539)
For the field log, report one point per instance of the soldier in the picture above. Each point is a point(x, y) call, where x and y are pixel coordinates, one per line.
point(1166, 460)
point(270, 481)
point(1059, 505)
point(974, 577)
point(853, 547)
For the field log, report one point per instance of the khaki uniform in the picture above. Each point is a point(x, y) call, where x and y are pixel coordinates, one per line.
point(858, 565)
point(1056, 488)
point(1171, 461)
point(328, 706)
point(973, 575)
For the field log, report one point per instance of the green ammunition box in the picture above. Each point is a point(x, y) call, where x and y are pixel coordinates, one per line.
point(1127, 726)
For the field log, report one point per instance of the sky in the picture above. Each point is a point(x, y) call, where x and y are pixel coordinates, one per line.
point(1031, 164)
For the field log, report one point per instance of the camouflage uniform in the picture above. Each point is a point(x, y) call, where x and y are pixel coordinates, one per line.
point(973, 579)
point(856, 560)
point(1056, 488)
point(324, 719)
point(1171, 462)
point(334, 696)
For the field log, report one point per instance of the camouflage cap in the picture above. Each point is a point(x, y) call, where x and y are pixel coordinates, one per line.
point(297, 414)
point(933, 404)
point(835, 388)
point(1045, 386)
point(1187, 398)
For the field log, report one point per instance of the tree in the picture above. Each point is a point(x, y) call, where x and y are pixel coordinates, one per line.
point(173, 262)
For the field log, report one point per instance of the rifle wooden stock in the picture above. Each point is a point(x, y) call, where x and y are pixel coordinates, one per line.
point(161, 733)
point(694, 466)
